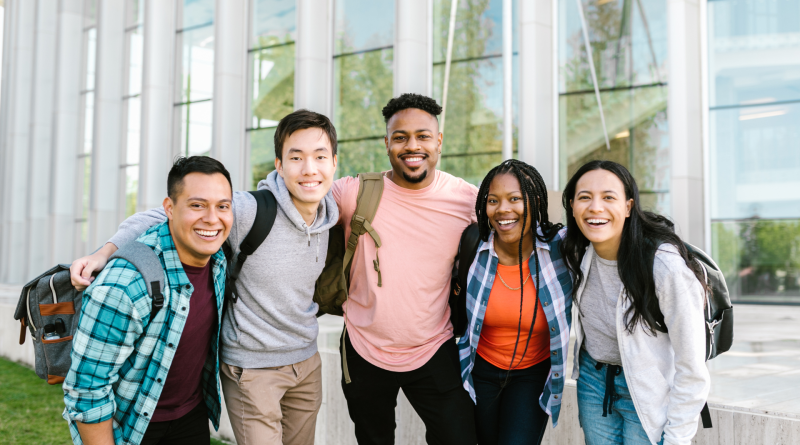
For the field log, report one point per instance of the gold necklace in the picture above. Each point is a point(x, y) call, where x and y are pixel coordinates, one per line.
point(513, 288)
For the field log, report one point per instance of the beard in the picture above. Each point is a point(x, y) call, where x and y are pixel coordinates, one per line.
point(415, 179)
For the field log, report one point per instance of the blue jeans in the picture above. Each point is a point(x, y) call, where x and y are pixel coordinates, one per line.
point(621, 425)
point(507, 410)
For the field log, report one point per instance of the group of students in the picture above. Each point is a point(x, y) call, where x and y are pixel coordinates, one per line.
point(137, 380)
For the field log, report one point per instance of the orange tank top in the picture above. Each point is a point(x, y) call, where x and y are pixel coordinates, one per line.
point(500, 322)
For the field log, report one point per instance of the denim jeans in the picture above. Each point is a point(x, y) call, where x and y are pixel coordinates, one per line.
point(621, 425)
point(508, 411)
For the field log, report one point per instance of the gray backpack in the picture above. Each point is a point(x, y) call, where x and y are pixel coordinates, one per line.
point(50, 308)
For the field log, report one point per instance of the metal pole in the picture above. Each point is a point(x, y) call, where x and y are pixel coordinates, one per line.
point(508, 110)
point(591, 69)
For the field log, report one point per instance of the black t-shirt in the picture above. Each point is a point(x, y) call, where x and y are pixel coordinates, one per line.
point(183, 389)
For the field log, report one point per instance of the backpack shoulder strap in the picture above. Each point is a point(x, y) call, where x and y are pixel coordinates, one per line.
point(146, 261)
point(266, 211)
point(370, 190)
point(467, 249)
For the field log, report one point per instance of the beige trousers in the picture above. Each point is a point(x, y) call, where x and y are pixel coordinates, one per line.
point(274, 405)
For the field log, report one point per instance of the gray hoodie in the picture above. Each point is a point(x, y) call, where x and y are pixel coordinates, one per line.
point(274, 322)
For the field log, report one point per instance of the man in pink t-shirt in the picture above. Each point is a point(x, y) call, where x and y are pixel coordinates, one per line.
point(398, 334)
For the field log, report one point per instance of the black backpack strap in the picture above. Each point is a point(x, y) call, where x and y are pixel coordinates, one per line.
point(705, 414)
point(267, 210)
point(467, 250)
point(146, 261)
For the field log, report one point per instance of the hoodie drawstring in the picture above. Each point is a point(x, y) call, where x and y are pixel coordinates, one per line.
point(308, 234)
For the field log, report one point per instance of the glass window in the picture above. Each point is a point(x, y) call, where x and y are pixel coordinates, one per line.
point(754, 98)
point(629, 51)
point(272, 50)
point(83, 175)
point(195, 66)
point(363, 82)
point(134, 46)
point(473, 136)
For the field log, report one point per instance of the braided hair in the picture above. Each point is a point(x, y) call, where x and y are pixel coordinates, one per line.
point(534, 201)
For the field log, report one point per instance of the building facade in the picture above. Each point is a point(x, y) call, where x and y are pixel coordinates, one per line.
point(700, 99)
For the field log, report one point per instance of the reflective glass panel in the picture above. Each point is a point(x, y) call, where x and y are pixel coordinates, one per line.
point(363, 25)
point(262, 154)
point(362, 85)
point(197, 64)
point(759, 258)
point(85, 175)
point(478, 29)
point(637, 125)
point(628, 39)
point(131, 189)
point(91, 57)
point(196, 13)
point(136, 53)
point(753, 51)
point(362, 156)
point(273, 85)
point(133, 142)
point(89, 12)
point(134, 13)
point(274, 22)
point(88, 121)
point(755, 162)
point(195, 128)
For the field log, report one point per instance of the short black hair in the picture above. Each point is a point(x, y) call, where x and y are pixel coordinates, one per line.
point(301, 120)
point(193, 164)
point(411, 100)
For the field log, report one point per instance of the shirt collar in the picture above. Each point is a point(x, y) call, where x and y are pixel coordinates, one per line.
point(489, 244)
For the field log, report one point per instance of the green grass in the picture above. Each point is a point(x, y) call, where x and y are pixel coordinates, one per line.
point(30, 409)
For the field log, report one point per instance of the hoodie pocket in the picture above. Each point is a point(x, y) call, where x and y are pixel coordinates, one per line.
point(651, 392)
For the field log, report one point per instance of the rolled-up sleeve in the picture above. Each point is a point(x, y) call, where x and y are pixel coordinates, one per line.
point(108, 328)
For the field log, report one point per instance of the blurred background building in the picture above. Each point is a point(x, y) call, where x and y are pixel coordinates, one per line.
point(700, 99)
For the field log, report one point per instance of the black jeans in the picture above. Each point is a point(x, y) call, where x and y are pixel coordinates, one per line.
point(508, 411)
point(434, 391)
point(190, 429)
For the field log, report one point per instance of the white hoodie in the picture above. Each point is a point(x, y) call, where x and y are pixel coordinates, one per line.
point(666, 373)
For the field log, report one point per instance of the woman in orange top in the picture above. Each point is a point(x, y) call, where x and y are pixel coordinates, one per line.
point(518, 307)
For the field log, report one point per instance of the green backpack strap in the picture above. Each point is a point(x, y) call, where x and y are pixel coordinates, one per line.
point(370, 190)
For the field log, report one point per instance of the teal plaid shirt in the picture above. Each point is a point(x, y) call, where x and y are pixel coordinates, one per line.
point(120, 358)
point(556, 297)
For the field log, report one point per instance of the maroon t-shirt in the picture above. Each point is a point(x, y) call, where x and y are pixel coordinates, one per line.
point(182, 390)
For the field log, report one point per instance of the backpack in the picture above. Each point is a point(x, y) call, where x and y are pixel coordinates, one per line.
point(49, 306)
point(467, 249)
point(330, 290)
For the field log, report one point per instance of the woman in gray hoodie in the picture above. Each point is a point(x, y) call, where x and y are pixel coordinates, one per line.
point(638, 314)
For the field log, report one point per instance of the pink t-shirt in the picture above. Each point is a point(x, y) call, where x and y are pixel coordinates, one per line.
point(400, 325)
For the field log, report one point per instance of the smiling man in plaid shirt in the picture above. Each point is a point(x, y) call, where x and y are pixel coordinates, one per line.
point(137, 380)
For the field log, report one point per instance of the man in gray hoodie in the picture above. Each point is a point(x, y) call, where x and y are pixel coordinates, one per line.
point(271, 371)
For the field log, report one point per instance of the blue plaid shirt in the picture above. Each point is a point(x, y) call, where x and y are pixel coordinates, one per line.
point(120, 358)
point(556, 297)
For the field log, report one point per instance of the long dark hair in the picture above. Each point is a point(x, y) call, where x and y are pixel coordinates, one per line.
point(534, 193)
point(642, 233)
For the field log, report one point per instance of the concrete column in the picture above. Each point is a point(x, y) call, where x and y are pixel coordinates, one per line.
point(231, 29)
point(108, 135)
point(18, 74)
point(537, 100)
point(413, 64)
point(66, 130)
point(684, 108)
point(155, 157)
point(41, 141)
point(313, 73)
